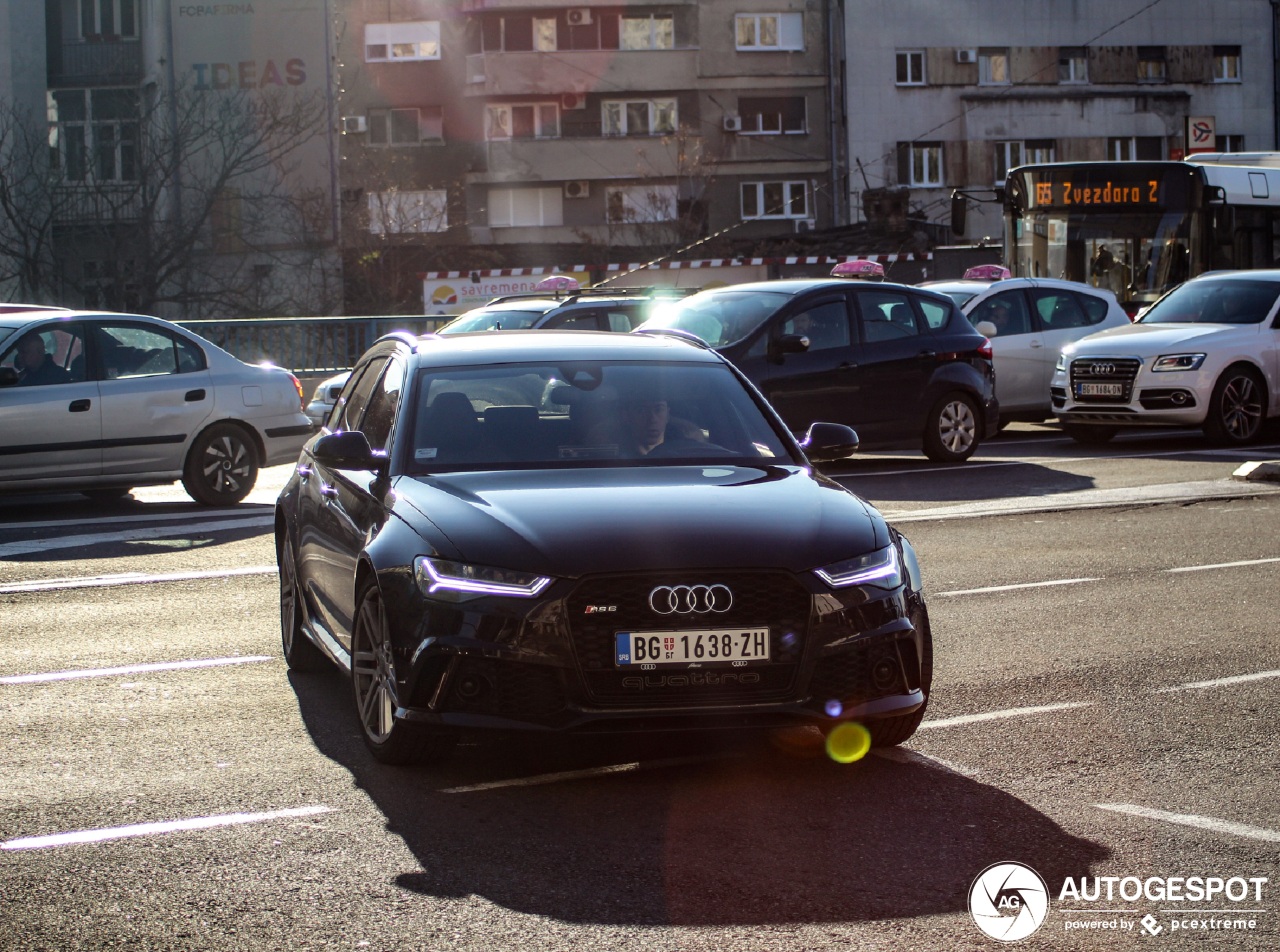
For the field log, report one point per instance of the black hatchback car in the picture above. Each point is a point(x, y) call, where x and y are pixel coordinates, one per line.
point(899, 364)
point(565, 531)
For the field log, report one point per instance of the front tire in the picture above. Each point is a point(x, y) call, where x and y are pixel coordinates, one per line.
point(1237, 408)
point(221, 467)
point(300, 652)
point(952, 431)
point(373, 679)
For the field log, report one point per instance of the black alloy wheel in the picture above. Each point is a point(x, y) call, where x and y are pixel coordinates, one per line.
point(300, 652)
point(221, 467)
point(1236, 408)
point(373, 677)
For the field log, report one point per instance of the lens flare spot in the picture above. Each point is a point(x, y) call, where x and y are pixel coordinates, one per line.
point(834, 708)
point(789, 640)
point(848, 742)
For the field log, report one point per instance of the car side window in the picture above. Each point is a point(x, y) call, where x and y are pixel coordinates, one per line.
point(1058, 309)
point(135, 350)
point(936, 314)
point(47, 355)
point(587, 320)
point(887, 315)
point(355, 396)
point(1006, 310)
point(1095, 308)
point(825, 323)
point(622, 321)
point(380, 412)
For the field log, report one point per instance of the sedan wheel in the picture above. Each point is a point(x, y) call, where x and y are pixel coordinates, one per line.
point(951, 432)
point(373, 673)
point(300, 652)
point(1236, 408)
point(221, 467)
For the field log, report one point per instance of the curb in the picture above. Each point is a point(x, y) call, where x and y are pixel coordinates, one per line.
point(1268, 471)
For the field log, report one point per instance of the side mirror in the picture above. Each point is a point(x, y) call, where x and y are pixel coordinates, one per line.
point(347, 449)
point(826, 442)
point(8, 377)
point(986, 329)
point(788, 344)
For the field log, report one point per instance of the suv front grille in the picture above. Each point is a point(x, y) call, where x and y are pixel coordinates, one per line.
point(771, 599)
point(1103, 379)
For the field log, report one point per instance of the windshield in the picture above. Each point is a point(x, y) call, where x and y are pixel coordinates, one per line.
point(485, 319)
point(1210, 301)
point(517, 416)
point(720, 317)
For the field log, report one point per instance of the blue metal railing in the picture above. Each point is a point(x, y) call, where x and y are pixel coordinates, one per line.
point(307, 344)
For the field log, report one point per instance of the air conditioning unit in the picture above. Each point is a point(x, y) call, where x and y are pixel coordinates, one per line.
point(966, 56)
point(805, 224)
point(579, 16)
point(579, 189)
point(573, 101)
point(354, 124)
point(732, 123)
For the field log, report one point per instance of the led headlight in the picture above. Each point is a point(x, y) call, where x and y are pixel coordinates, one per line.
point(1178, 362)
point(437, 576)
point(881, 568)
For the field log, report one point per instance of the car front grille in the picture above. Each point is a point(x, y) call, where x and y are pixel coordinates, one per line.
point(760, 599)
point(1106, 371)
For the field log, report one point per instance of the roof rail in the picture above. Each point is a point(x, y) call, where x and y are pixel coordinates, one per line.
point(677, 332)
point(566, 296)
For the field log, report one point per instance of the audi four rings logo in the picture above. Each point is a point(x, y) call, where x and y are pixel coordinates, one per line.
point(690, 599)
point(1101, 370)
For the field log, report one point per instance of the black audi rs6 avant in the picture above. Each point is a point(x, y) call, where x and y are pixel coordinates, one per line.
point(566, 531)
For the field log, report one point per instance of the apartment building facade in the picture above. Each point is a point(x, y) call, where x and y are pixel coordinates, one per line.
point(945, 97)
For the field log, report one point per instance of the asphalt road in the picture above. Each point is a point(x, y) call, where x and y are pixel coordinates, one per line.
point(1104, 706)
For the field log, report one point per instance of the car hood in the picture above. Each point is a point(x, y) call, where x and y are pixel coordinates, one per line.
point(572, 523)
point(1148, 339)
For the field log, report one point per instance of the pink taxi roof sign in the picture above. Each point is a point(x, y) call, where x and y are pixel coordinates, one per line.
point(557, 282)
point(987, 272)
point(860, 269)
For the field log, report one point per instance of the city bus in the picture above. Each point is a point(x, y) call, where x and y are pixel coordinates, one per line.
point(1139, 228)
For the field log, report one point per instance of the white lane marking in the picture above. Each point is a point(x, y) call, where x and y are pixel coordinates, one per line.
point(1223, 565)
point(1008, 712)
point(128, 578)
point(1011, 588)
point(968, 467)
point(1199, 822)
point(152, 829)
point(584, 774)
point(130, 669)
point(130, 517)
point(1221, 682)
point(29, 546)
point(902, 755)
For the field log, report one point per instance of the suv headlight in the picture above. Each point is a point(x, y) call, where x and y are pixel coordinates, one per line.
point(882, 568)
point(1177, 362)
point(437, 576)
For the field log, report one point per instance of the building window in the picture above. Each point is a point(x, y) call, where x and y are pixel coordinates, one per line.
point(538, 120)
point(226, 222)
point(108, 19)
point(769, 31)
point(529, 207)
point(638, 117)
point(1010, 155)
point(408, 212)
point(910, 67)
point(1228, 143)
point(775, 200)
point(1073, 64)
point(97, 134)
point(1152, 67)
point(772, 115)
point(406, 126)
point(544, 34)
point(993, 67)
point(647, 33)
point(402, 42)
point(641, 203)
point(924, 168)
point(1135, 149)
point(1226, 64)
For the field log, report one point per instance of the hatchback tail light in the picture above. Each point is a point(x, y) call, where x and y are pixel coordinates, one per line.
point(297, 385)
point(984, 349)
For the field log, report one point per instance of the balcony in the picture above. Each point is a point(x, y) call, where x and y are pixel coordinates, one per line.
point(100, 205)
point(102, 62)
point(569, 71)
point(522, 161)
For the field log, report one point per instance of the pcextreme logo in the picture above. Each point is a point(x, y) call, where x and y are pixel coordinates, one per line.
point(1008, 901)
